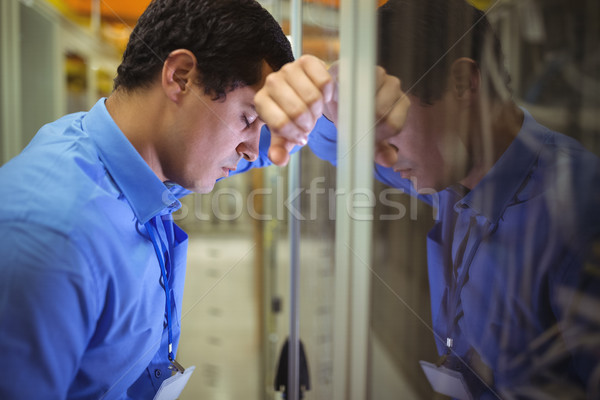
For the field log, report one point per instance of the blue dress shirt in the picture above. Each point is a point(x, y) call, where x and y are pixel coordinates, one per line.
point(82, 305)
point(514, 266)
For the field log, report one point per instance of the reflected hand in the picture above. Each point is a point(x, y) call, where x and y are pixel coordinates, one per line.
point(391, 108)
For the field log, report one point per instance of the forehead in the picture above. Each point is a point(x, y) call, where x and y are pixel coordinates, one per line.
point(265, 71)
point(433, 113)
point(245, 94)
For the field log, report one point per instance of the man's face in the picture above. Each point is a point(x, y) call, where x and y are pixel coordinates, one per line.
point(431, 151)
point(208, 138)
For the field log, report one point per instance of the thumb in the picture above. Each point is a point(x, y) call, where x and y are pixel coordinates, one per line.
point(279, 151)
point(386, 155)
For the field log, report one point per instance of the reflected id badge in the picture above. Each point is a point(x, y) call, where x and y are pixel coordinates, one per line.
point(171, 387)
point(446, 381)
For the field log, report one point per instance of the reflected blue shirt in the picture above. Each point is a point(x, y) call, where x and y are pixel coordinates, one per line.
point(82, 306)
point(524, 248)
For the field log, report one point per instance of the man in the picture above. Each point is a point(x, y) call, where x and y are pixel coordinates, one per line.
point(92, 265)
point(89, 250)
point(514, 259)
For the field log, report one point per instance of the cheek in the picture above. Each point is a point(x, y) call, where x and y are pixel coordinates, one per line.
point(417, 147)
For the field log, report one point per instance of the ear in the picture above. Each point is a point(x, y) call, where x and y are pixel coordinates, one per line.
point(465, 79)
point(179, 70)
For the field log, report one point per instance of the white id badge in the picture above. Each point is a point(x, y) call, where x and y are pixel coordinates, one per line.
point(446, 381)
point(171, 387)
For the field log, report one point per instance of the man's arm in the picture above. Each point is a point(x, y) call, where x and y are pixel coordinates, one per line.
point(46, 312)
point(278, 111)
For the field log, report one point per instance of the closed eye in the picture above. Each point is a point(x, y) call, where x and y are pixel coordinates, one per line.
point(249, 120)
point(245, 121)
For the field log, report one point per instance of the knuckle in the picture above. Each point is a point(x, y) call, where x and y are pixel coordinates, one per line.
point(312, 97)
point(288, 131)
point(287, 67)
point(271, 81)
point(305, 58)
point(380, 111)
point(395, 122)
point(279, 123)
point(297, 111)
point(259, 97)
point(380, 75)
point(394, 125)
point(324, 81)
point(395, 81)
point(406, 100)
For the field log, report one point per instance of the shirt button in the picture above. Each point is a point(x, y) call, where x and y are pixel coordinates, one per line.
point(157, 373)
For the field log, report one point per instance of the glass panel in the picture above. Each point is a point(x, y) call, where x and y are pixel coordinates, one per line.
point(496, 263)
point(316, 216)
point(320, 38)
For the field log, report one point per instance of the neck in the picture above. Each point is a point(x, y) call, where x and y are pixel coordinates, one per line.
point(494, 131)
point(138, 115)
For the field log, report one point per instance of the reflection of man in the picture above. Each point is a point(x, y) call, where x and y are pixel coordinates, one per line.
point(514, 258)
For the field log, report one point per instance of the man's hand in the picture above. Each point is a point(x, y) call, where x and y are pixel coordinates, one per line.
point(294, 97)
point(291, 101)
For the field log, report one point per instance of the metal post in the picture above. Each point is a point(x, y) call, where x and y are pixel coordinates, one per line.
point(10, 80)
point(354, 182)
point(294, 229)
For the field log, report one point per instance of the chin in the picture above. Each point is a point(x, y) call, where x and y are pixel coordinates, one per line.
point(204, 189)
point(424, 187)
point(200, 187)
point(428, 190)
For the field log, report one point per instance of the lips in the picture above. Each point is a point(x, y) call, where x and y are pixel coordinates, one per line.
point(227, 170)
point(404, 172)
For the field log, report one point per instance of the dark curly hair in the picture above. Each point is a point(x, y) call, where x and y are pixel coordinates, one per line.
point(419, 39)
point(230, 39)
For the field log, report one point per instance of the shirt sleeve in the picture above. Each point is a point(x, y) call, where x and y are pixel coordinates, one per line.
point(323, 140)
point(47, 305)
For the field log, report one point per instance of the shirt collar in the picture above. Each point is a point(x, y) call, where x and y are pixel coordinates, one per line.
point(144, 191)
point(500, 185)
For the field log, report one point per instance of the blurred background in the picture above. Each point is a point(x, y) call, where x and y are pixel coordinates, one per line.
point(60, 56)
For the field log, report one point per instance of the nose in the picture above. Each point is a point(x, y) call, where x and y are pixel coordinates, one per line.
point(248, 148)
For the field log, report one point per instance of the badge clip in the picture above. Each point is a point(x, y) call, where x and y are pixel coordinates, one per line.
point(176, 366)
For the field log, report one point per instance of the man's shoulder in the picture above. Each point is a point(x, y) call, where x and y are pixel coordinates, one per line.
point(568, 176)
point(567, 162)
point(57, 180)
